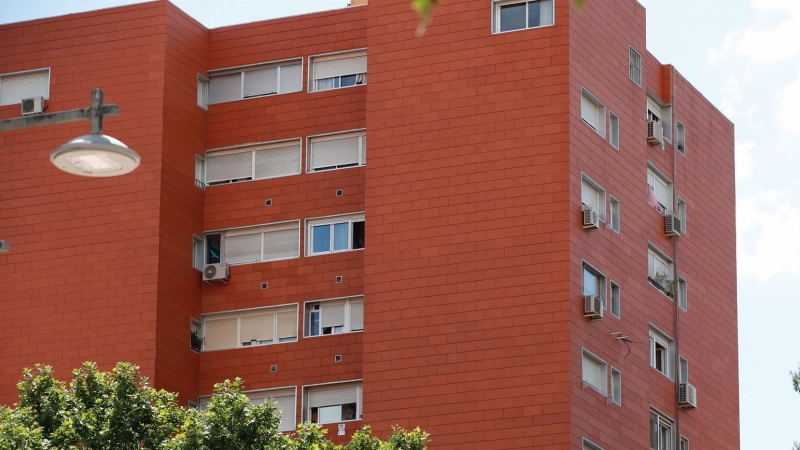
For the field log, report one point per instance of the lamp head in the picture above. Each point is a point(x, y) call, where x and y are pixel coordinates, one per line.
point(95, 155)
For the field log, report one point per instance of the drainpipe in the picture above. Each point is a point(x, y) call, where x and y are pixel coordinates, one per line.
point(676, 330)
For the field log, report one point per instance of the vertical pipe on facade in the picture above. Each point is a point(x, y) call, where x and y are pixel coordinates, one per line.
point(676, 285)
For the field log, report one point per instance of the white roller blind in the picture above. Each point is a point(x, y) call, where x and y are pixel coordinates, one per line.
point(220, 334)
point(334, 152)
point(287, 405)
point(589, 195)
point(356, 315)
point(260, 327)
point(332, 395)
point(662, 191)
point(282, 244)
point(340, 66)
point(332, 314)
point(291, 78)
point(243, 248)
point(224, 88)
point(287, 324)
point(589, 112)
point(592, 372)
point(232, 166)
point(261, 82)
point(13, 88)
point(276, 162)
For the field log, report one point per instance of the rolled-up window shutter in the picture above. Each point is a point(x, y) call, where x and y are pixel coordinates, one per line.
point(589, 111)
point(203, 402)
point(287, 325)
point(277, 162)
point(233, 166)
point(220, 334)
point(260, 327)
point(591, 371)
point(287, 405)
point(282, 244)
point(13, 88)
point(332, 395)
point(356, 315)
point(291, 78)
point(224, 88)
point(589, 195)
point(341, 66)
point(261, 82)
point(245, 248)
point(332, 314)
point(334, 152)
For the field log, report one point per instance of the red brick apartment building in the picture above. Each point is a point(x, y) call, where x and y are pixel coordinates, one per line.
point(531, 170)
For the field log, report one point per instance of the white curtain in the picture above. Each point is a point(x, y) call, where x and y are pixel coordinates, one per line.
point(326, 83)
point(545, 12)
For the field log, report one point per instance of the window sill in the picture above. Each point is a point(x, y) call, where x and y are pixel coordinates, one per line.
point(249, 346)
point(587, 385)
point(331, 335)
point(308, 255)
point(252, 97)
point(332, 169)
point(244, 263)
point(594, 129)
point(336, 89)
point(341, 421)
point(524, 29)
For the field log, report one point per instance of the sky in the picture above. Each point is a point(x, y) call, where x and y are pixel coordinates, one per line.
point(744, 56)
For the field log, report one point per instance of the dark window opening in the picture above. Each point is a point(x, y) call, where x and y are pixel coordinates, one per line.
point(358, 235)
point(213, 248)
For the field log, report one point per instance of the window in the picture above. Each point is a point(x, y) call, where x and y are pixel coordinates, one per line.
point(684, 443)
point(335, 234)
point(337, 151)
point(683, 373)
point(616, 386)
point(249, 328)
point(16, 86)
point(659, 271)
point(681, 130)
point(683, 292)
point(662, 352)
point(613, 131)
point(254, 162)
point(238, 83)
point(682, 214)
point(594, 283)
point(195, 331)
point(615, 218)
point(254, 244)
point(202, 91)
point(518, 15)
point(589, 445)
point(199, 172)
point(334, 316)
point(635, 63)
point(660, 432)
point(332, 403)
point(593, 112)
point(337, 71)
point(283, 398)
point(615, 299)
point(197, 253)
point(593, 196)
point(660, 112)
point(594, 372)
point(659, 191)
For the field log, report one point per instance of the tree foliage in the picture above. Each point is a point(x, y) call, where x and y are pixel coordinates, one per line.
point(119, 410)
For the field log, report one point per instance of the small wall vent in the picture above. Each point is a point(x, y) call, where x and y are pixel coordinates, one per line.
point(265, 285)
point(340, 192)
point(338, 278)
point(337, 358)
point(273, 368)
point(268, 202)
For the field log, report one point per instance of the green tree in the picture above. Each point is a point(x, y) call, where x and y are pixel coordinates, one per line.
point(119, 410)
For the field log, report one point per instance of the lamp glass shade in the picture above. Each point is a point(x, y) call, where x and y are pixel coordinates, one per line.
point(95, 155)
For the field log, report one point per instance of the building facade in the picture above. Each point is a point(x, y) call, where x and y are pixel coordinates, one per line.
point(549, 260)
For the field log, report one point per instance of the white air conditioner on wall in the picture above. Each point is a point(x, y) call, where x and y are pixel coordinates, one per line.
point(593, 307)
point(33, 105)
point(215, 272)
point(655, 132)
point(591, 219)
point(687, 396)
point(672, 224)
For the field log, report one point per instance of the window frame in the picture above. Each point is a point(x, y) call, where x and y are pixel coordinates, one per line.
point(615, 311)
point(602, 196)
point(202, 91)
point(603, 388)
point(681, 213)
point(680, 137)
point(259, 391)
point(307, 390)
point(656, 336)
point(684, 440)
point(683, 366)
point(223, 234)
point(613, 129)
point(199, 170)
point(616, 387)
point(497, 4)
point(614, 215)
point(252, 149)
point(637, 65)
point(667, 423)
point(600, 279)
point(683, 293)
point(664, 115)
point(198, 252)
point(258, 66)
point(665, 260)
point(589, 445)
point(601, 112)
point(359, 132)
point(252, 312)
point(669, 208)
point(26, 72)
point(312, 87)
point(332, 220)
point(347, 316)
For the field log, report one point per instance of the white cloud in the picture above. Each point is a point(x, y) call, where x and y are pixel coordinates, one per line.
point(744, 160)
point(765, 44)
point(788, 99)
point(773, 217)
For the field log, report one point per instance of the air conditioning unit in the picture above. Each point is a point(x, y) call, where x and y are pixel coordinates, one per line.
point(593, 307)
point(591, 219)
point(215, 272)
point(655, 134)
point(672, 225)
point(687, 396)
point(33, 105)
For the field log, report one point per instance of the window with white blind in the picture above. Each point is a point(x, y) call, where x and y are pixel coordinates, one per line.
point(661, 433)
point(659, 270)
point(659, 190)
point(635, 66)
point(337, 151)
point(662, 352)
point(512, 15)
point(332, 403)
point(253, 162)
point(254, 244)
point(337, 70)
point(593, 196)
point(250, 328)
point(18, 85)
point(238, 83)
point(335, 234)
point(202, 91)
point(334, 316)
point(593, 112)
point(595, 372)
point(284, 400)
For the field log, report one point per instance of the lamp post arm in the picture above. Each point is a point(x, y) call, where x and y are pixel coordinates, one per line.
point(74, 115)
